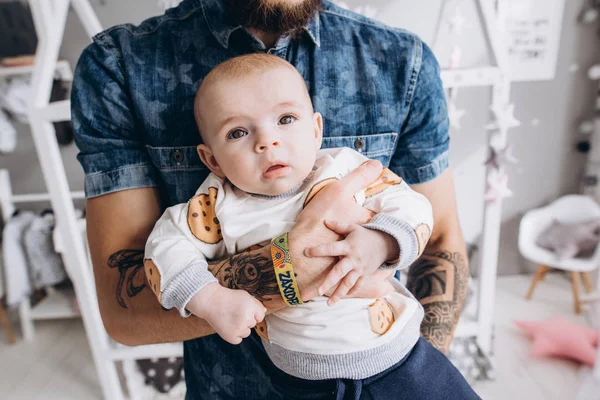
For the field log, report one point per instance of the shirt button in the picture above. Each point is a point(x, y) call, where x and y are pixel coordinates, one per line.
point(178, 156)
point(359, 144)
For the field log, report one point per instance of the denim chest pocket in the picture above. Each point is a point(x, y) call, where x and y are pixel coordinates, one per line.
point(379, 146)
point(180, 169)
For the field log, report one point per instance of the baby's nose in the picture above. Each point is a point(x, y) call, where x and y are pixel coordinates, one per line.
point(264, 145)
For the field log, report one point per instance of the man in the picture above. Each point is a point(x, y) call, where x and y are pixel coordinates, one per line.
point(379, 91)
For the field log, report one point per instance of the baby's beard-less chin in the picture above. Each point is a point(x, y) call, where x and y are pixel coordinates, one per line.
point(274, 189)
point(272, 17)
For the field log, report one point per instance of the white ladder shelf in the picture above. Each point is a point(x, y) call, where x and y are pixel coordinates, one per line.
point(49, 19)
point(481, 324)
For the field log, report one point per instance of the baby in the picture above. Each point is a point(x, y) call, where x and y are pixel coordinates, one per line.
point(261, 141)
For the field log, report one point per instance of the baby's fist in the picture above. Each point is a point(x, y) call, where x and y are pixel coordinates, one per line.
point(234, 320)
point(232, 313)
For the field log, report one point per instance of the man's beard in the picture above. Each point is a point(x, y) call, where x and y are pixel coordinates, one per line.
point(272, 18)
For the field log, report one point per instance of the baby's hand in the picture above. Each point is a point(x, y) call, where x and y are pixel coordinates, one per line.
point(232, 313)
point(360, 254)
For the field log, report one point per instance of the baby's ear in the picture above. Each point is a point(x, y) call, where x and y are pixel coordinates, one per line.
point(318, 126)
point(208, 158)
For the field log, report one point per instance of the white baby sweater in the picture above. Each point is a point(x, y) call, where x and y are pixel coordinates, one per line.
point(312, 340)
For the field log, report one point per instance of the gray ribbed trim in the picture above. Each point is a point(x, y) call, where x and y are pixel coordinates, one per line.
point(179, 290)
point(404, 235)
point(359, 365)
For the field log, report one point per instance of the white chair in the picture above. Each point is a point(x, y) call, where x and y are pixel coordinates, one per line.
point(567, 209)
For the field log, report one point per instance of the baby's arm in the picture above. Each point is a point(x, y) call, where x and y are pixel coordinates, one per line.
point(176, 266)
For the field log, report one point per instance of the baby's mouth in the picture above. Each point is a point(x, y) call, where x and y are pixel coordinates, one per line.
point(275, 167)
point(275, 170)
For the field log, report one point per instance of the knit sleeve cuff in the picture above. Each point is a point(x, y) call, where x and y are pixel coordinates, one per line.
point(180, 290)
point(404, 235)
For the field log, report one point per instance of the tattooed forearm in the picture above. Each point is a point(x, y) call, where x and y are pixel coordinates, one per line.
point(439, 281)
point(128, 262)
point(251, 271)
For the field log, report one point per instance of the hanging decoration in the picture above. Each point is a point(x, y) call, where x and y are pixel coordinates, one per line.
point(589, 128)
point(457, 21)
point(456, 24)
point(594, 72)
point(499, 158)
point(590, 12)
point(505, 118)
point(500, 154)
point(586, 128)
point(455, 57)
point(497, 186)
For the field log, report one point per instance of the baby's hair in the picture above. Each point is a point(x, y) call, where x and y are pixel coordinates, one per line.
point(240, 67)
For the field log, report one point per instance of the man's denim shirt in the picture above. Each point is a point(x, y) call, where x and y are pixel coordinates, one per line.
point(378, 89)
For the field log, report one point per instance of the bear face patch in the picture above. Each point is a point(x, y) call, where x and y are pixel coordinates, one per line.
point(317, 187)
point(385, 180)
point(202, 218)
point(261, 330)
point(152, 277)
point(423, 234)
point(381, 316)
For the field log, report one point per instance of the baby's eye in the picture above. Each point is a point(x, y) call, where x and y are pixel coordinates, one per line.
point(238, 133)
point(287, 119)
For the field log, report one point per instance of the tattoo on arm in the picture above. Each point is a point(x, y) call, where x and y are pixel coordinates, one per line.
point(249, 271)
point(439, 281)
point(128, 262)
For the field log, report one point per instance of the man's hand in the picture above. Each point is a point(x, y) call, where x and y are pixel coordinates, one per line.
point(360, 253)
point(334, 202)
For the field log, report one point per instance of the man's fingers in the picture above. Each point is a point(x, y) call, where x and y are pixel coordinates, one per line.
point(360, 178)
point(357, 286)
point(340, 228)
point(333, 249)
point(376, 285)
point(345, 285)
point(338, 271)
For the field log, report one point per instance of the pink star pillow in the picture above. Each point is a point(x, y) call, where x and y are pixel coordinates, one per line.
point(559, 337)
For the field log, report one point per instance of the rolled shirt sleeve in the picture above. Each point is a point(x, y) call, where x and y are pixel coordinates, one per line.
point(422, 151)
point(112, 154)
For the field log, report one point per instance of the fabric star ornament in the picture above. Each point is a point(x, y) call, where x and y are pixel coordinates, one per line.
point(594, 72)
point(500, 158)
point(455, 57)
point(497, 187)
point(454, 115)
point(505, 118)
point(559, 337)
point(457, 21)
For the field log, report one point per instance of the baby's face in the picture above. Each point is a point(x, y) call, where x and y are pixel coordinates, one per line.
point(260, 131)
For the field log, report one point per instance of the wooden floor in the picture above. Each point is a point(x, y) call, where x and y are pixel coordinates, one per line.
point(58, 364)
point(519, 376)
